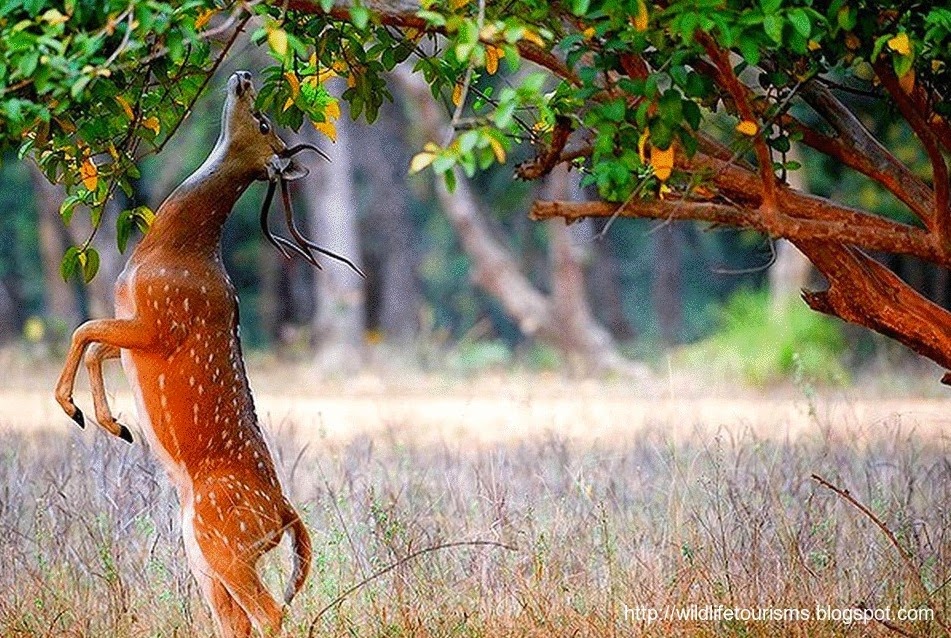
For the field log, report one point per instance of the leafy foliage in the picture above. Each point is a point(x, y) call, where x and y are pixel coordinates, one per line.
point(89, 87)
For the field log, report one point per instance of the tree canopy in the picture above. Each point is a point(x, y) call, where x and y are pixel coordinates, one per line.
point(672, 110)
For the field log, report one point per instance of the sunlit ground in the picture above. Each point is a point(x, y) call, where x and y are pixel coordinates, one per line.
point(650, 507)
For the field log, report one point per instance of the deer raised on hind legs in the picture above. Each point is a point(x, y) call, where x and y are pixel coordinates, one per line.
point(176, 332)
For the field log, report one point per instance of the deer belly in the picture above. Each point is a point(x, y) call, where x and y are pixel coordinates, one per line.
point(175, 468)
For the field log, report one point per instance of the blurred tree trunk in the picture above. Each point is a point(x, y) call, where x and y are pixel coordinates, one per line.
point(604, 289)
point(101, 290)
point(328, 196)
point(580, 335)
point(789, 274)
point(384, 161)
point(667, 281)
point(61, 300)
point(561, 320)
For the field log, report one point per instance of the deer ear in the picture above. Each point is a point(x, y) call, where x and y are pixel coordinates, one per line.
point(294, 170)
point(286, 168)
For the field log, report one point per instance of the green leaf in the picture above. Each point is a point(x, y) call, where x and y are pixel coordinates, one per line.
point(90, 263)
point(749, 49)
point(799, 18)
point(67, 207)
point(773, 26)
point(450, 178)
point(359, 16)
point(580, 7)
point(70, 263)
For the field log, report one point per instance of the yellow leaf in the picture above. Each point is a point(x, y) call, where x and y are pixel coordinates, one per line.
point(747, 127)
point(457, 4)
point(53, 16)
point(492, 55)
point(327, 128)
point(125, 107)
point(288, 104)
point(294, 83)
point(662, 161)
point(498, 150)
point(588, 33)
point(642, 145)
point(457, 94)
point(813, 45)
point(420, 161)
point(432, 147)
point(89, 174)
point(325, 75)
point(203, 18)
point(152, 123)
point(900, 44)
point(332, 111)
point(533, 37)
point(641, 18)
point(277, 40)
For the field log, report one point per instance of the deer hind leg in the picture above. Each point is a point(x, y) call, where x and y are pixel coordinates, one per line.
point(232, 621)
point(232, 532)
point(229, 617)
point(132, 334)
point(95, 355)
point(244, 585)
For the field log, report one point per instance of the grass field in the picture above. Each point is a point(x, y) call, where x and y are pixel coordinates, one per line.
point(626, 505)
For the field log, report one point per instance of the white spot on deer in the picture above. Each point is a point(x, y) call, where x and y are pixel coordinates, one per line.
point(161, 381)
point(185, 303)
point(191, 382)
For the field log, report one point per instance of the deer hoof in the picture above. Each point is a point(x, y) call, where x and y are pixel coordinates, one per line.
point(124, 434)
point(78, 417)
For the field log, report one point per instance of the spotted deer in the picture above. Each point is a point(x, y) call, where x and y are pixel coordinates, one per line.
point(176, 333)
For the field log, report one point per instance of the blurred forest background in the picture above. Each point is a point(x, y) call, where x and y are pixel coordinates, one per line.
point(462, 280)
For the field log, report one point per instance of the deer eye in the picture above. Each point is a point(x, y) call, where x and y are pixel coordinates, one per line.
point(264, 127)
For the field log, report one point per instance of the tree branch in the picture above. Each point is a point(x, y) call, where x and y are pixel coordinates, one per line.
point(929, 140)
point(738, 91)
point(857, 148)
point(836, 224)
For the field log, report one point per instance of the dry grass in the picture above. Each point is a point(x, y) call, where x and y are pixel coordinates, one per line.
point(612, 501)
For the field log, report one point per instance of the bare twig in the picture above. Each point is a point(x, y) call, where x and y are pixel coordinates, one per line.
point(381, 572)
point(906, 558)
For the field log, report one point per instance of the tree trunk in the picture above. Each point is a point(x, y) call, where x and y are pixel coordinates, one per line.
point(339, 320)
point(789, 274)
point(605, 292)
point(667, 281)
point(384, 162)
point(561, 320)
point(61, 301)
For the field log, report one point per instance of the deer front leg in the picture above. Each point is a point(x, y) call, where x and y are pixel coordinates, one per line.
point(97, 353)
point(131, 334)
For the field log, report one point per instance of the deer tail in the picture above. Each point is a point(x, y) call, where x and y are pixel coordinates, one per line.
point(302, 553)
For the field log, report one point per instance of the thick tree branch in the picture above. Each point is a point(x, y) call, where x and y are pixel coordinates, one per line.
point(830, 225)
point(929, 140)
point(863, 291)
point(854, 145)
point(737, 91)
point(857, 148)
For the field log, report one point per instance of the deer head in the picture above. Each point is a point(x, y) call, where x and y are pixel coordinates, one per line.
point(249, 140)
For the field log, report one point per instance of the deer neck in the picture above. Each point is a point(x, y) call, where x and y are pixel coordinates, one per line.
point(191, 219)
